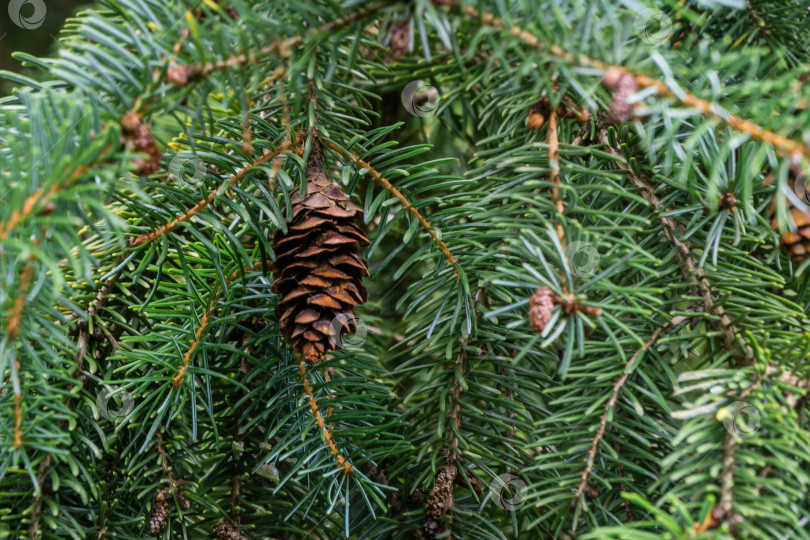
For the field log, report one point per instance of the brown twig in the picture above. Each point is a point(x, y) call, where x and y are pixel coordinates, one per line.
point(403, 200)
point(691, 271)
point(319, 420)
point(611, 402)
point(205, 319)
point(782, 145)
point(180, 76)
point(442, 494)
point(554, 174)
point(203, 204)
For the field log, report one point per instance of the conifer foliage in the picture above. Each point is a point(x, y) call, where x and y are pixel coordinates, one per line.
point(408, 269)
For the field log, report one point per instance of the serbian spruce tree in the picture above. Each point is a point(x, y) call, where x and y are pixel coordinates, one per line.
point(408, 269)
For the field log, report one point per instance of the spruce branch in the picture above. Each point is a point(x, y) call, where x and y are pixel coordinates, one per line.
point(40, 199)
point(406, 204)
point(611, 402)
point(205, 319)
point(691, 271)
point(441, 497)
point(783, 146)
point(314, 409)
point(145, 238)
point(181, 75)
point(12, 331)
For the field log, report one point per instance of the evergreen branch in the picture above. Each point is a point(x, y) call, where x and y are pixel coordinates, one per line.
point(404, 200)
point(180, 76)
point(319, 420)
point(205, 319)
point(782, 145)
point(38, 200)
point(212, 196)
point(690, 269)
point(441, 497)
point(611, 402)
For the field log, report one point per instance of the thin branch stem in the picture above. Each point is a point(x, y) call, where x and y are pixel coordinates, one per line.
point(782, 145)
point(406, 204)
point(554, 174)
point(194, 72)
point(611, 402)
point(319, 420)
point(205, 320)
point(212, 196)
point(691, 271)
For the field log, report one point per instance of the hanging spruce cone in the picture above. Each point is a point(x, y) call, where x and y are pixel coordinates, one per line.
point(227, 531)
point(160, 511)
point(318, 268)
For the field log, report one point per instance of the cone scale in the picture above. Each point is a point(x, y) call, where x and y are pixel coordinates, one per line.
point(319, 269)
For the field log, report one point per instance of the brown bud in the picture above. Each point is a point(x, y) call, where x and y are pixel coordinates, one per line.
point(541, 304)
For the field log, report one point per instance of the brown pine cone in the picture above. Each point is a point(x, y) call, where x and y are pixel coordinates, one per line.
point(400, 38)
point(138, 132)
point(797, 244)
point(541, 303)
point(625, 85)
point(159, 517)
point(318, 269)
point(227, 531)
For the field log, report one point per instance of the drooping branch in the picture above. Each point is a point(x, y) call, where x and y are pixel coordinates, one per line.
point(782, 145)
point(205, 320)
point(212, 196)
point(690, 269)
point(611, 402)
point(182, 75)
point(406, 204)
point(442, 494)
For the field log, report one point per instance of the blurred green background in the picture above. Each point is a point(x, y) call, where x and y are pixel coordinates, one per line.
point(40, 39)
